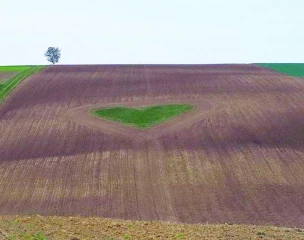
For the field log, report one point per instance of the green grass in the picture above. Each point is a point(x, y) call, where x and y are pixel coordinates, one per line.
point(14, 68)
point(19, 230)
point(23, 72)
point(180, 236)
point(142, 117)
point(291, 69)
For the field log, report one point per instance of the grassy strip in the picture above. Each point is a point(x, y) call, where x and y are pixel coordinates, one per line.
point(63, 228)
point(143, 117)
point(10, 84)
point(290, 69)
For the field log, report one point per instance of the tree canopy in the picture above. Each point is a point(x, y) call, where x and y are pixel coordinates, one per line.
point(53, 54)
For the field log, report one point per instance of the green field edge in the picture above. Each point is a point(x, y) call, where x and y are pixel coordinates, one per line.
point(288, 69)
point(15, 68)
point(13, 82)
point(140, 127)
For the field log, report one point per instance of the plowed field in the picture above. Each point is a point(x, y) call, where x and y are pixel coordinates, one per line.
point(237, 157)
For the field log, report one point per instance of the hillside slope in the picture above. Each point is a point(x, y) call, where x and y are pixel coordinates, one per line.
point(238, 157)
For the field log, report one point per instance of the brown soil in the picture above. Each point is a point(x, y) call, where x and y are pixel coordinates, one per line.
point(73, 228)
point(236, 158)
point(6, 75)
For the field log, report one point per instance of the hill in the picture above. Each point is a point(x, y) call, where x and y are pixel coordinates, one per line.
point(236, 157)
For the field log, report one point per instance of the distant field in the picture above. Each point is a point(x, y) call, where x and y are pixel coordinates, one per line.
point(291, 69)
point(10, 76)
point(14, 68)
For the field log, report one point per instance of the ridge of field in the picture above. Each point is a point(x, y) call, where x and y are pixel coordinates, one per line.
point(290, 69)
point(237, 158)
point(11, 76)
point(43, 227)
point(143, 117)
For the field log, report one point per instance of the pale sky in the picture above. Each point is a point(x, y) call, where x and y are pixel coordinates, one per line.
point(152, 31)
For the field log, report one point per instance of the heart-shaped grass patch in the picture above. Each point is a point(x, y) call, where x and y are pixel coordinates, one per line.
point(142, 117)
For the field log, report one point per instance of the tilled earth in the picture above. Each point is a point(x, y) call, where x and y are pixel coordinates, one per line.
point(237, 157)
